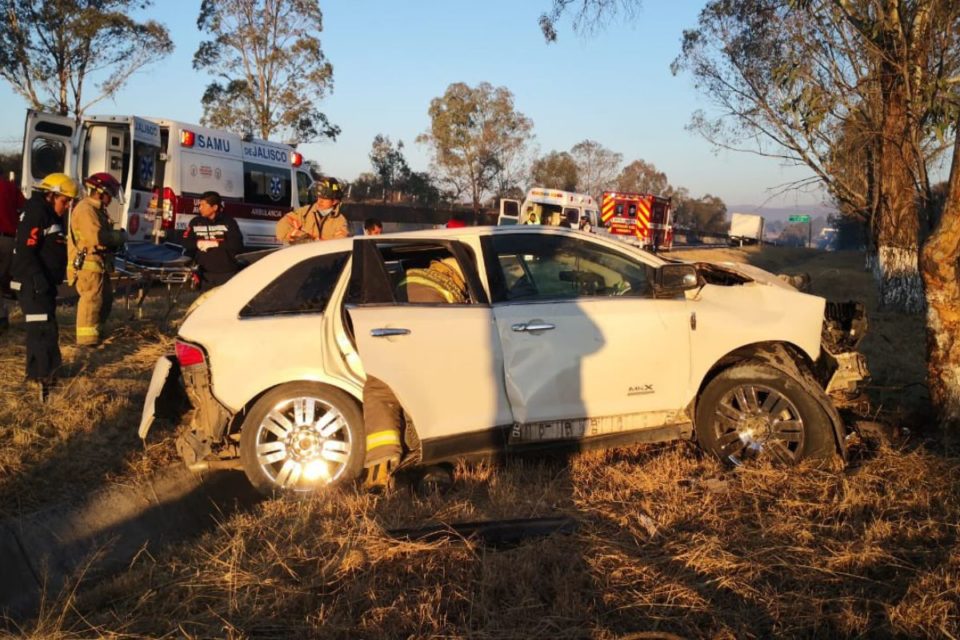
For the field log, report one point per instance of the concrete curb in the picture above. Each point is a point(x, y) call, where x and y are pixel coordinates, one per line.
point(40, 551)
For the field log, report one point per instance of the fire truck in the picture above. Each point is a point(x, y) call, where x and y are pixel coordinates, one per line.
point(643, 217)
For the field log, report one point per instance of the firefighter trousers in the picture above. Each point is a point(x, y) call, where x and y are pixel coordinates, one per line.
point(96, 300)
point(43, 336)
point(381, 418)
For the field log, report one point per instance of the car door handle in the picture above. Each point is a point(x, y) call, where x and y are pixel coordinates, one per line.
point(533, 326)
point(386, 333)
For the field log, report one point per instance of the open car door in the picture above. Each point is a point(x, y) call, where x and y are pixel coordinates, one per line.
point(441, 359)
point(49, 146)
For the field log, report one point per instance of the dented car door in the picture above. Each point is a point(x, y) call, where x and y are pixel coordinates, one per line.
point(584, 339)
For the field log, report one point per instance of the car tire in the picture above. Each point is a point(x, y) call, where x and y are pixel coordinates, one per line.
point(301, 438)
point(754, 411)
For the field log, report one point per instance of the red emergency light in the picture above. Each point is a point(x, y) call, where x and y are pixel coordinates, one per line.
point(187, 138)
point(296, 159)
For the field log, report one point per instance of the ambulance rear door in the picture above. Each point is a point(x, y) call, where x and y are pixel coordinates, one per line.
point(142, 178)
point(49, 146)
point(509, 212)
point(113, 145)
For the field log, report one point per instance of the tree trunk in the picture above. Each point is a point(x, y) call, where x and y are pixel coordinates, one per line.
point(941, 275)
point(897, 225)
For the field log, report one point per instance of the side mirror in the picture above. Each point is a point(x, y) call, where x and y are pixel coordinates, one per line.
point(675, 278)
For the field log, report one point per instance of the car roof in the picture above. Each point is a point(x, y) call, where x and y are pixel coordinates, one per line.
point(301, 251)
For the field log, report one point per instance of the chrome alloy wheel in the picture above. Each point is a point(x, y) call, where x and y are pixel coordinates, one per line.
point(303, 443)
point(754, 420)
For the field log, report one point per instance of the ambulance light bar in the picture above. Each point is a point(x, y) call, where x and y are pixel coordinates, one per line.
point(187, 138)
point(296, 159)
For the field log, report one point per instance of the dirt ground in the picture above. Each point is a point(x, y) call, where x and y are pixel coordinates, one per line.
point(666, 541)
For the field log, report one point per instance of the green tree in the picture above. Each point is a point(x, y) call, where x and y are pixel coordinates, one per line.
point(367, 186)
point(597, 167)
point(52, 50)
point(642, 177)
point(419, 186)
point(556, 170)
point(472, 130)
point(388, 163)
point(704, 215)
point(270, 66)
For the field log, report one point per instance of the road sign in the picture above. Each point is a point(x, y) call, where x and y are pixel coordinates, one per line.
point(799, 218)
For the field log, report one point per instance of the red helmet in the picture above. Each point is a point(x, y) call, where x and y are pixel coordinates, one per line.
point(105, 183)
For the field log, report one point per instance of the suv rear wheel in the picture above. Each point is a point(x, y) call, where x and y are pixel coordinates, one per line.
point(754, 411)
point(302, 437)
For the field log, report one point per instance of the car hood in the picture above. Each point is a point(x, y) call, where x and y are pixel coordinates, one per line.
point(739, 273)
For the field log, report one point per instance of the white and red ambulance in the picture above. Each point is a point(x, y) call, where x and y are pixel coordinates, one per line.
point(164, 167)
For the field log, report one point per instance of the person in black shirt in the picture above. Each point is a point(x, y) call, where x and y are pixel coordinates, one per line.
point(39, 266)
point(213, 240)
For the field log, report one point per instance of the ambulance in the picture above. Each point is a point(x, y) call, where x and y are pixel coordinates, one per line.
point(164, 167)
point(641, 218)
point(550, 207)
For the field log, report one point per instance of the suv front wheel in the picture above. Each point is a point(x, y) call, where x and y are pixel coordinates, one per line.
point(754, 411)
point(302, 437)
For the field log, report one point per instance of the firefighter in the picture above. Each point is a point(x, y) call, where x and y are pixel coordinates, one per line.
point(91, 242)
point(39, 266)
point(213, 240)
point(441, 282)
point(321, 220)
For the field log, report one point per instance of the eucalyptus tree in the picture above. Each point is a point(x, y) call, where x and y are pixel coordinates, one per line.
point(269, 65)
point(474, 132)
point(52, 51)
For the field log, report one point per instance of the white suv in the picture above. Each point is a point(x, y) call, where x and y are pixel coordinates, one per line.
point(567, 339)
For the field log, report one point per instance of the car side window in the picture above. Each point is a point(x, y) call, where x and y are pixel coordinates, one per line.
point(425, 274)
point(305, 287)
point(543, 267)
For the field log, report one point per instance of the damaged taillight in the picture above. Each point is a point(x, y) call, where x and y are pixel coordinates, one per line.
point(189, 355)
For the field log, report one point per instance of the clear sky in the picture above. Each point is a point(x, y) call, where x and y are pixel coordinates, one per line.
point(391, 58)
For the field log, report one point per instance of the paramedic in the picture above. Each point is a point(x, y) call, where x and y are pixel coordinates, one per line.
point(213, 240)
point(442, 282)
point(39, 265)
point(321, 220)
point(11, 201)
point(91, 242)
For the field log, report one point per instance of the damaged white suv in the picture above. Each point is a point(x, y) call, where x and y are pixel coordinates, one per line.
point(567, 339)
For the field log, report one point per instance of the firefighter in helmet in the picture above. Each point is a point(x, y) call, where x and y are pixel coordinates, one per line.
point(441, 282)
point(91, 242)
point(321, 220)
point(39, 265)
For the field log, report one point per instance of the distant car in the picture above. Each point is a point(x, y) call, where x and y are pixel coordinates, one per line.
point(568, 340)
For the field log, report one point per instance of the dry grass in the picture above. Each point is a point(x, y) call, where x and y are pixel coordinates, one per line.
point(668, 541)
point(85, 435)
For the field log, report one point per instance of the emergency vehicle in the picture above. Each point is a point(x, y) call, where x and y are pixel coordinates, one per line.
point(549, 207)
point(644, 217)
point(164, 167)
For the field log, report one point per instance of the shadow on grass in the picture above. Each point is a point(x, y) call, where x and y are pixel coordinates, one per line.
point(54, 550)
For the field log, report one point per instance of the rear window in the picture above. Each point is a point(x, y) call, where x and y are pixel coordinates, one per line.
point(305, 287)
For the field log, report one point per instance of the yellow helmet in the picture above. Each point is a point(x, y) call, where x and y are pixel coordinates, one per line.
point(60, 183)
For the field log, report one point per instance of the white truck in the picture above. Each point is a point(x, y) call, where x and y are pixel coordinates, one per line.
point(746, 228)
